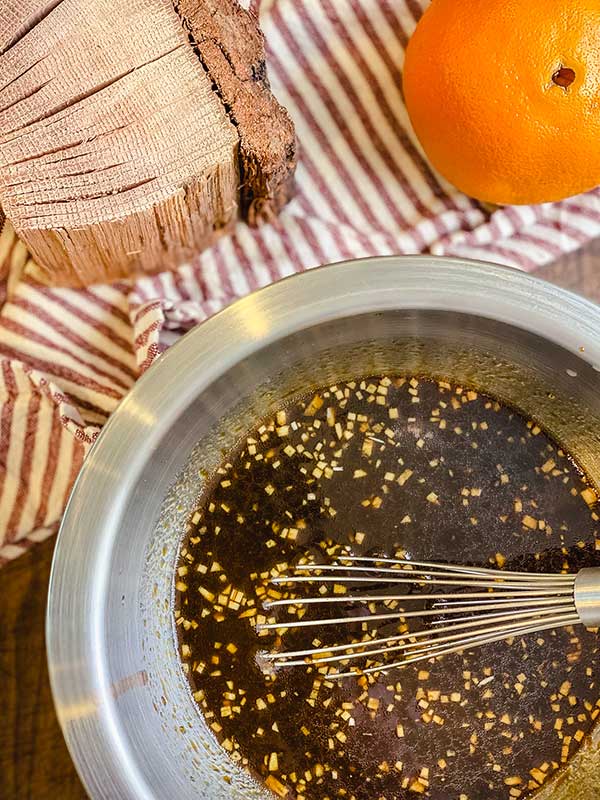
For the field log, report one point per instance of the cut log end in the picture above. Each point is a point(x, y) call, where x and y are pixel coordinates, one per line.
point(230, 46)
point(129, 148)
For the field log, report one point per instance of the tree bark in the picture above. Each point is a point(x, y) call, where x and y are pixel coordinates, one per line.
point(132, 132)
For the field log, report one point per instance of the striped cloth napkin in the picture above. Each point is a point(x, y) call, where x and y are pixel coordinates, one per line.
point(364, 188)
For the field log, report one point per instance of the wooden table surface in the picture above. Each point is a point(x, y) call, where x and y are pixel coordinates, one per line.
point(34, 762)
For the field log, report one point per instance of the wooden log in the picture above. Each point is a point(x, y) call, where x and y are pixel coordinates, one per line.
point(132, 132)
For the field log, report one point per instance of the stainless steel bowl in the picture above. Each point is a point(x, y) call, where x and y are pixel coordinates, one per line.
point(122, 700)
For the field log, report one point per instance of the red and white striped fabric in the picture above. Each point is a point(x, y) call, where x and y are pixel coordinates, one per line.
point(364, 188)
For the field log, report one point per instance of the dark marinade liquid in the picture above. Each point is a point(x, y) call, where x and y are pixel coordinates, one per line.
point(389, 466)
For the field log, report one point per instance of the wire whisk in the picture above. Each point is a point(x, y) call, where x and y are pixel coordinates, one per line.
point(433, 609)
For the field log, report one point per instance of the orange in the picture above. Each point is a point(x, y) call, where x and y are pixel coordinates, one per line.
point(504, 96)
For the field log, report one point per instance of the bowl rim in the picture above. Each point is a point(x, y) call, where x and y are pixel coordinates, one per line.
point(194, 362)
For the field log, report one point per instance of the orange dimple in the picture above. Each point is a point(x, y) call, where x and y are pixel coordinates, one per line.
point(504, 96)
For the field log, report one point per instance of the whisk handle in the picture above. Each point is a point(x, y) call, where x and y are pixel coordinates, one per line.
point(587, 596)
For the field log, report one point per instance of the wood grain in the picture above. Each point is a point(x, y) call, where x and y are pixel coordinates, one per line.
point(579, 272)
point(34, 762)
point(116, 155)
point(127, 148)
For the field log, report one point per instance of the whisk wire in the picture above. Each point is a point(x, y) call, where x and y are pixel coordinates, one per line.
point(503, 604)
point(414, 635)
point(566, 619)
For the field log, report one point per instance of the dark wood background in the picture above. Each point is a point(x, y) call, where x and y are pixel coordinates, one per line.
point(34, 762)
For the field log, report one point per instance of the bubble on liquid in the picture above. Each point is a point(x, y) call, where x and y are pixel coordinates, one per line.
point(265, 664)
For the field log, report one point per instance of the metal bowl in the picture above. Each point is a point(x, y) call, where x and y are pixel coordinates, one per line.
point(124, 705)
